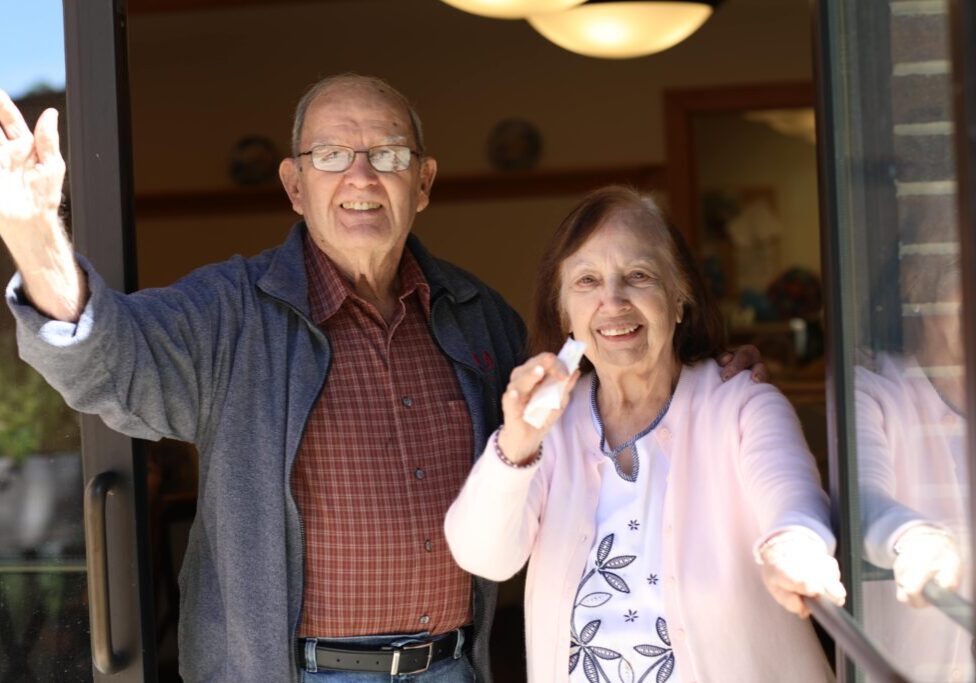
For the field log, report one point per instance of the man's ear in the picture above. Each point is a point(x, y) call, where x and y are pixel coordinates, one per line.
point(290, 176)
point(428, 170)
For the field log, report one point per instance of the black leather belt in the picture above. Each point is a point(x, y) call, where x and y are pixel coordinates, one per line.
point(413, 658)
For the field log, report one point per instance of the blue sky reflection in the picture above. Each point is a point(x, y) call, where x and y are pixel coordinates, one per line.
point(31, 45)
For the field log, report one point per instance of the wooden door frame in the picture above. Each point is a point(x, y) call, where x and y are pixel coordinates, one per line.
point(680, 105)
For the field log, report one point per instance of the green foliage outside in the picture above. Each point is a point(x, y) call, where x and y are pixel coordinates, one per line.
point(33, 417)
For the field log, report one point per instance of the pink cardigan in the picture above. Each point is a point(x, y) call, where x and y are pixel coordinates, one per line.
point(907, 476)
point(740, 470)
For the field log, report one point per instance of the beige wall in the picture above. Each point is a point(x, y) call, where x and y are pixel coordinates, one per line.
point(202, 80)
point(743, 154)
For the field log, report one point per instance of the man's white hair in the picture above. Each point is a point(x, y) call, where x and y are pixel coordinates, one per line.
point(354, 80)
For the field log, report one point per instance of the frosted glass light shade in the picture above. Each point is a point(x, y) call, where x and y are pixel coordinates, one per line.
point(618, 30)
point(511, 9)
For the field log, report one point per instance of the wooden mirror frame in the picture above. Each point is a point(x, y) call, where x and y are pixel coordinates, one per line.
point(679, 108)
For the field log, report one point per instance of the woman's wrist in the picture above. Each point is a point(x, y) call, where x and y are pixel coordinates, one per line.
point(527, 460)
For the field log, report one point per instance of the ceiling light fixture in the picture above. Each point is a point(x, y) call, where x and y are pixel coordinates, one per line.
point(619, 29)
point(511, 9)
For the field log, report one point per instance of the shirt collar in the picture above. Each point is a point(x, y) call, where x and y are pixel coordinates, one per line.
point(328, 289)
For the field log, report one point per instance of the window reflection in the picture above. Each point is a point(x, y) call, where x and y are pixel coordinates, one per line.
point(913, 478)
point(909, 380)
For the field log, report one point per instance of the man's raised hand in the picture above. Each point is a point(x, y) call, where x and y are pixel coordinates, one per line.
point(31, 175)
point(31, 170)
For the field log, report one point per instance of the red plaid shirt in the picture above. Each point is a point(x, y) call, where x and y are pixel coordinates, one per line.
point(385, 451)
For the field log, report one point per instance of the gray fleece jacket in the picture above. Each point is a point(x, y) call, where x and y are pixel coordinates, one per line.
point(228, 359)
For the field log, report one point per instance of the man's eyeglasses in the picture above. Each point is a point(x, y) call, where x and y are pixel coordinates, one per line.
point(383, 158)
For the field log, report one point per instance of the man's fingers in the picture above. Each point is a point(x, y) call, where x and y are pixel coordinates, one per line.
point(11, 120)
point(743, 358)
point(46, 138)
point(760, 373)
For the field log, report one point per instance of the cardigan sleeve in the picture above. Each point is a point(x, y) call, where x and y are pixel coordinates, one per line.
point(883, 518)
point(777, 469)
point(492, 525)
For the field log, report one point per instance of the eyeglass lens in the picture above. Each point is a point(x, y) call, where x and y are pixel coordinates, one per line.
point(383, 158)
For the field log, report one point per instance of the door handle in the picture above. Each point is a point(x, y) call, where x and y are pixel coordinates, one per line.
point(951, 603)
point(96, 539)
point(848, 636)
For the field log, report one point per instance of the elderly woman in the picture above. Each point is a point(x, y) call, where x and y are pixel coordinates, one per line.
point(669, 517)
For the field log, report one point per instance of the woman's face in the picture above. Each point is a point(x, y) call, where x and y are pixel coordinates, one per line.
point(614, 297)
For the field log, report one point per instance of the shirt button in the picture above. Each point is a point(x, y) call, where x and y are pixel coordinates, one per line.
point(419, 473)
point(428, 545)
point(407, 401)
point(672, 581)
point(680, 634)
point(664, 433)
point(424, 619)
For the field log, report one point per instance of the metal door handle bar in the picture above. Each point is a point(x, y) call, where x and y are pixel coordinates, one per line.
point(950, 603)
point(852, 640)
point(96, 496)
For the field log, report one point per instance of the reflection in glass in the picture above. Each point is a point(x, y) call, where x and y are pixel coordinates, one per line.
point(44, 632)
point(44, 626)
point(913, 478)
point(894, 187)
point(909, 383)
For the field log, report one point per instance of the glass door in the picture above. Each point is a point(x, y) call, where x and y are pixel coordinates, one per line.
point(68, 484)
point(895, 269)
point(100, 178)
point(43, 588)
point(44, 633)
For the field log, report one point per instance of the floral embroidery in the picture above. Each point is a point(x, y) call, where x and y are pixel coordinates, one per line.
point(633, 525)
point(591, 656)
point(582, 651)
point(662, 655)
point(652, 579)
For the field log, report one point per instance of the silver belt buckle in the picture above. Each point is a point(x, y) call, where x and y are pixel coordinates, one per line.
point(395, 666)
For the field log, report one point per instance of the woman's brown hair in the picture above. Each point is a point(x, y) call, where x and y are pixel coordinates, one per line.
point(701, 333)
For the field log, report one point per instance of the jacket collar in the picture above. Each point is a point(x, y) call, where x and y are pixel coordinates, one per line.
point(441, 279)
point(286, 279)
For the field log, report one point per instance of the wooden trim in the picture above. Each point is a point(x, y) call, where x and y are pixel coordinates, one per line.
point(488, 187)
point(681, 105)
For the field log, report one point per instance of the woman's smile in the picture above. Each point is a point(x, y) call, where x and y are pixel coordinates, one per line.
point(619, 332)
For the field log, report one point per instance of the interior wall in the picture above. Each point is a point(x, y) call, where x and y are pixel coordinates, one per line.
point(202, 80)
point(734, 153)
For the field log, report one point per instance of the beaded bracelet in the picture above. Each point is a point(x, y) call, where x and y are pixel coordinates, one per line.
point(517, 465)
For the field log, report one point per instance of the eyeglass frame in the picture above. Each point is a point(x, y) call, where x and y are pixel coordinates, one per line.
point(309, 152)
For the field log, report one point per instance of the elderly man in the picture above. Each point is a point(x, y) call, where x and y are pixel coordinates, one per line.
point(337, 388)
